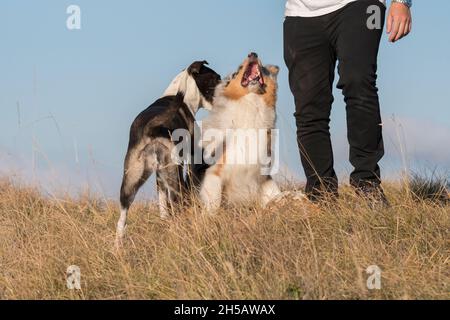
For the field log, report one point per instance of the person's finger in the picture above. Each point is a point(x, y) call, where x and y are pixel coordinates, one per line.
point(407, 27)
point(389, 24)
point(395, 27)
point(394, 30)
point(401, 31)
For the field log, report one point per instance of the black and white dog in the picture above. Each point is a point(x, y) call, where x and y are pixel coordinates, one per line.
point(150, 145)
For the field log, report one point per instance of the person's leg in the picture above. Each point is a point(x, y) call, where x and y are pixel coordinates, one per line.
point(357, 51)
point(311, 63)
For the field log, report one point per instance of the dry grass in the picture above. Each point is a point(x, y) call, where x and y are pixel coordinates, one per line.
point(293, 252)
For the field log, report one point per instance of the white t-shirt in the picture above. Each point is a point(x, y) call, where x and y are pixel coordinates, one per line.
point(314, 8)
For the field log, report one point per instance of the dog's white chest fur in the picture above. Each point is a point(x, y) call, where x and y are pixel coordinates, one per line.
point(249, 112)
point(248, 120)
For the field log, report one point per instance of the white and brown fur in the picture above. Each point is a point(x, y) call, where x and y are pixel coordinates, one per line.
point(150, 145)
point(240, 105)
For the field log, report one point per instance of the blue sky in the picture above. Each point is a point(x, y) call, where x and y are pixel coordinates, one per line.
point(71, 95)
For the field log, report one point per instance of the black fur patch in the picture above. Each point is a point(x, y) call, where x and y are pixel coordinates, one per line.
point(206, 79)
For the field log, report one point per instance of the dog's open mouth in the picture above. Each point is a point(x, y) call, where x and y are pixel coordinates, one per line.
point(252, 75)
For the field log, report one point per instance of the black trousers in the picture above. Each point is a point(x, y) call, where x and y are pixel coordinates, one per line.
point(312, 47)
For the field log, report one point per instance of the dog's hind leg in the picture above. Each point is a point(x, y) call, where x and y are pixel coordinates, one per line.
point(271, 194)
point(136, 172)
point(162, 197)
point(171, 188)
point(269, 191)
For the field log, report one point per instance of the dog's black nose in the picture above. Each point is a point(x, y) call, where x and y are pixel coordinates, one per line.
point(253, 55)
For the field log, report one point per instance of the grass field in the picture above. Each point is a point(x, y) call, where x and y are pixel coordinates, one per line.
point(296, 251)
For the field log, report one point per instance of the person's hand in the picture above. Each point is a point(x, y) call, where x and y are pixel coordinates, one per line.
point(399, 21)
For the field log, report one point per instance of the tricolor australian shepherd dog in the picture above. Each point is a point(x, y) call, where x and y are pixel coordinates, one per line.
point(150, 145)
point(244, 107)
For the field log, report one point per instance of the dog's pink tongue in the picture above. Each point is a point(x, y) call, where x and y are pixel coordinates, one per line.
point(256, 75)
point(255, 70)
point(252, 74)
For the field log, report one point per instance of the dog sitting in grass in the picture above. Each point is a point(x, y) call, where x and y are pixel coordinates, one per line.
point(241, 123)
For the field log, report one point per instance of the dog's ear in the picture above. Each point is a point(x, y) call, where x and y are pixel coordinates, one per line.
point(274, 70)
point(196, 67)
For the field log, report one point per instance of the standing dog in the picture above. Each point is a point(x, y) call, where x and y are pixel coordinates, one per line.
point(245, 100)
point(150, 145)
